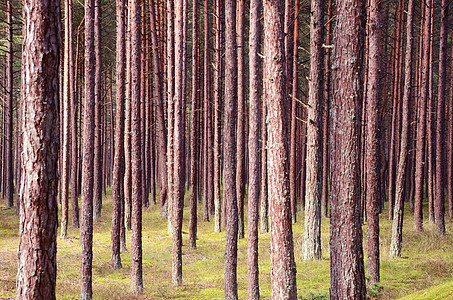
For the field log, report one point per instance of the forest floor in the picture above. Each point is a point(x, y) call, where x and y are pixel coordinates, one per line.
point(424, 272)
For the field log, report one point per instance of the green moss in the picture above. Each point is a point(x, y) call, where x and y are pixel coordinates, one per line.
point(426, 265)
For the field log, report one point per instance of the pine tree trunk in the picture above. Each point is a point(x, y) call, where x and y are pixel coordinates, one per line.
point(127, 130)
point(371, 143)
point(98, 113)
point(293, 138)
point(346, 265)
point(283, 268)
point(9, 179)
point(311, 246)
point(254, 153)
point(229, 152)
point(67, 99)
point(86, 230)
point(240, 130)
point(118, 164)
point(217, 87)
point(395, 246)
point(161, 127)
point(136, 148)
point(421, 127)
point(194, 149)
point(264, 200)
point(325, 117)
point(40, 91)
point(178, 147)
point(450, 144)
point(439, 199)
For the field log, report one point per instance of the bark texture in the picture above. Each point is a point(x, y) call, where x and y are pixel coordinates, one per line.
point(38, 210)
point(254, 153)
point(311, 246)
point(118, 163)
point(86, 230)
point(229, 150)
point(346, 265)
point(283, 267)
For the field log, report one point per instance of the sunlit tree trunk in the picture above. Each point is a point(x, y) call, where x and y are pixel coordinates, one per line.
point(229, 152)
point(254, 153)
point(9, 178)
point(371, 154)
point(346, 265)
point(99, 107)
point(311, 246)
point(37, 254)
point(86, 230)
point(118, 164)
point(283, 268)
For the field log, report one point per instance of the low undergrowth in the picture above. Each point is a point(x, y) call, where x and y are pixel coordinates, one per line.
point(424, 272)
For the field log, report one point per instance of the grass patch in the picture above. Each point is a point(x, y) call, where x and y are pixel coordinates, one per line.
point(424, 272)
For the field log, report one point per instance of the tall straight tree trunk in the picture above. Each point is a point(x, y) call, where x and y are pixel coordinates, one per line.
point(98, 113)
point(136, 148)
point(293, 138)
point(397, 228)
point(74, 136)
point(127, 129)
point(240, 153)
point(208, 180)
point(9, 179)
point(37, 254)
point(178, 147)
point(325, 117)
point(450, 144)
point(283, 267)
point(394, 127)
point(311, 246)
point(193, 128)
point(161, 127)
point(346, 265)
point(254, 153)
point(170, 110)
point(371, 143)
point(264, 200)
point(67, 99)
point(217, 85)
point(86, 230)
point(421, 127)
point(439, 199)
point(229, 151)
point(118, 164)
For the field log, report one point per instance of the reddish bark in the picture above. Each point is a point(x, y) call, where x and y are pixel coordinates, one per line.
point(254, 153)
point(439, 198)
point(40, 91)
point(9, 176)
point(325, 117)
point(264, 201)
point(178, 147)
point(64, 119)
point(421, 127)
point(118, 164)
point(229, 151)
point(217, 89)
point(240, 126)
point(283, 268)
point(346, 265)
point(311, 245)
point(136, 148)
point(86, 230)
point(193, 129)
point(371, 143)
point(450, 144)
point(161, 128)
point(292, 149)
point(98, 145)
